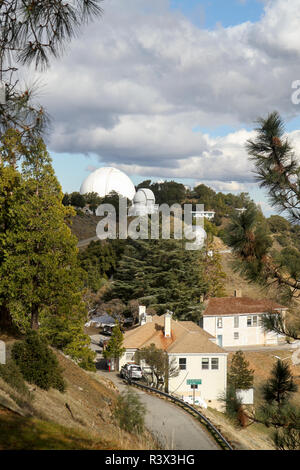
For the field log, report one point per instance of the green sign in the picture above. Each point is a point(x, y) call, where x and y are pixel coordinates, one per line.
point(194, 382)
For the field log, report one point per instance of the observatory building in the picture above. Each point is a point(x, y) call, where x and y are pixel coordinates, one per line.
point(107, 179)
point(143, 203)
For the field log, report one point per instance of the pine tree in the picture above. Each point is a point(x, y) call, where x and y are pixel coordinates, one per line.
point(277, 170)
point(114, 349)
point(41, 280)
point(277, 410)
point(32, 32)
point(240, 376)
point(280, 385)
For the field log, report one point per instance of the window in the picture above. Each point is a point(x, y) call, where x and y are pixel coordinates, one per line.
point(205, 363)
point(236, 336)
point(129, 356)
point(252, 321)
point(219, 323)
point(182, 363)
point(236, 321)
point(215, 363)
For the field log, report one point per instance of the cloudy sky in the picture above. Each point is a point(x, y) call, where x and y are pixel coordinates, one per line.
point(170, 89)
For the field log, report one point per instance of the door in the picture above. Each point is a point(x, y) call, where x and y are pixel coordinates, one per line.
point(220, 340)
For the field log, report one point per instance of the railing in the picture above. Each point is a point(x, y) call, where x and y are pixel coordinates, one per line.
point(210, 427)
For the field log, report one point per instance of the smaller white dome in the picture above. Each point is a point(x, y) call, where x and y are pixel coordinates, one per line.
point(143, 203)
point(144, 196)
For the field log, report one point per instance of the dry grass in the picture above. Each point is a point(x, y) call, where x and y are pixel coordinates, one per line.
point(84, 226)
point(256, 436)
point(262, 363)
point(80, 418)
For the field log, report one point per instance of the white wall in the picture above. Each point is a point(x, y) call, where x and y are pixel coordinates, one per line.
point(247, 335)
point(213, 381)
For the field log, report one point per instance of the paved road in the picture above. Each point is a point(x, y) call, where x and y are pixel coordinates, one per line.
point(174, 428)
point(87, 241)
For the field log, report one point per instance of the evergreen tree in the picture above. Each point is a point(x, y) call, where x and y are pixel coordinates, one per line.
point(277, 411)
point(41, 280)
point(77, 200)
point(240, 376)
point(39, 268)
point(114, 349)
point(164, 275)
point(280, 385)
point(31, 32)
point(278, 171)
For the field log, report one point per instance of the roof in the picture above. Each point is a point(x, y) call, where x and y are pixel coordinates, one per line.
point(104, 319)
point(239, 305)
point(104, 180)
point(186, 337)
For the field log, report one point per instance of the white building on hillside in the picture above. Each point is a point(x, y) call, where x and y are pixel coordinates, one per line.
point(203, 214)
point(143, 203)
point(107, 179)
point(197, 355)
point(235, 321)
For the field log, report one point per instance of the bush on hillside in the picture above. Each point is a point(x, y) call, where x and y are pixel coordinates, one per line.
point(12, 375)
point(37, 363)
point(130, 412)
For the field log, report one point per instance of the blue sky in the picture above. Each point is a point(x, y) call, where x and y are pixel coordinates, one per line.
point(208, 13)
point(172, 92)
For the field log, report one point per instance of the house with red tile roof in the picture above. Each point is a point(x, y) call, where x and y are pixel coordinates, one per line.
point(195, 351)
point(236, 321)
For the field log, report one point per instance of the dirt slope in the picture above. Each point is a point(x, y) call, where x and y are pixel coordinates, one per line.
point(80, 418)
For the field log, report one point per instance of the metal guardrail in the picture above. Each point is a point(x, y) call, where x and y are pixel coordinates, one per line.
point(213, 430)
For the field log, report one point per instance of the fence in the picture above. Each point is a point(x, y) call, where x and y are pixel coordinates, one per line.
point(210, 427)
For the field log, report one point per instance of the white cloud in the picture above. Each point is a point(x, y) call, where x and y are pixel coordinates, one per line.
point(134, 85)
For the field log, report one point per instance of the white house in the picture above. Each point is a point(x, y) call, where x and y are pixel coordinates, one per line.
point(197, 355)
point(203, 214)
point(235, 321)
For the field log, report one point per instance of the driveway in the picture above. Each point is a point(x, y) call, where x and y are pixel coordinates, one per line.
point(174, 428)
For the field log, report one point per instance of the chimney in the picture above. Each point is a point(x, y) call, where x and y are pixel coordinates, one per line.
point(237, 293)
point(142, 314)
point(2, 352)
point(167, 329)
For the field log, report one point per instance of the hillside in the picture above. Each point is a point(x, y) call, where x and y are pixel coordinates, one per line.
point(84, 226)
point(80, 418)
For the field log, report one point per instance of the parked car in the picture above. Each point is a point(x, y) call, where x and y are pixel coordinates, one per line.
point(131, 371)
point(107, 330)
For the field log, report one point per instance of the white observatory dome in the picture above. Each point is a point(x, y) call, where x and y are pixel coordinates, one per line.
point(144, 196)
point(107, 179)
point(143, 203)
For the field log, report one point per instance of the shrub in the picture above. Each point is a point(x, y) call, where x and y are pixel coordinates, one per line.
point(37, 363)
point(130, 412)
point(12, 375)
point(232, 404)
point(82, 355)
